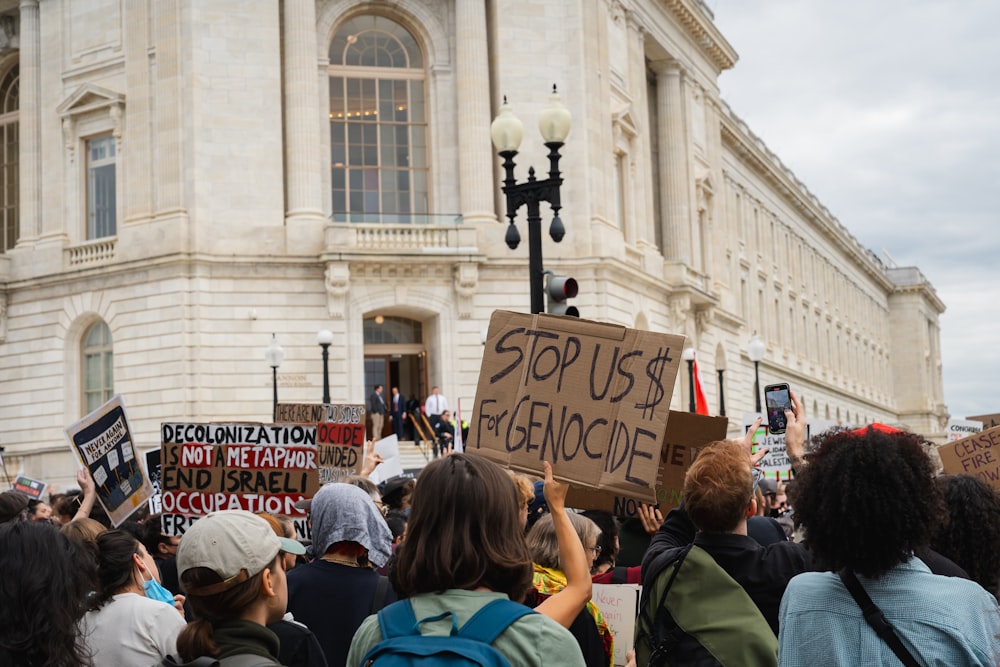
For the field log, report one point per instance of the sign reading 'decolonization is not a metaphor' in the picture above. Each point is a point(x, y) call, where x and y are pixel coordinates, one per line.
point(590, 398)
point(224, 466)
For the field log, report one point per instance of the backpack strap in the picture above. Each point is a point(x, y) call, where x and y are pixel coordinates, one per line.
point(247, 660)
point(492, 619)
point(875, 618)
point(397, 620)
point(619, 575)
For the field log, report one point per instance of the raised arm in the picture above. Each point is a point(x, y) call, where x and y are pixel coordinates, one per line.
point(86, 483)
point(795, 433)
point(566, 605)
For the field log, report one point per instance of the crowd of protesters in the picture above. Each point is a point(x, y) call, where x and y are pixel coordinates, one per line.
point(867, 557)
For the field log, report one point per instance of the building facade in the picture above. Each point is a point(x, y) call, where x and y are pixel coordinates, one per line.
point(182, 179)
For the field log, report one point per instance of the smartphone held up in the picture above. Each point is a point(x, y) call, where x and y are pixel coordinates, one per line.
point(777, 399)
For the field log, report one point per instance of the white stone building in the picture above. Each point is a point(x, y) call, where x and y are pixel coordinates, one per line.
point(181, 179)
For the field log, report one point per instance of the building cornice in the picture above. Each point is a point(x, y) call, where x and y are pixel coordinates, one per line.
point(704, 33)
point(754, 153)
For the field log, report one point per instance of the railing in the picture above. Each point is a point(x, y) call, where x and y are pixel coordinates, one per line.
point(94, 252)
point(434, 234)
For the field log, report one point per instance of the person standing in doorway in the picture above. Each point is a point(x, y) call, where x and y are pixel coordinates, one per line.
point(435, 405)
point(397, 409)
point(376, 408)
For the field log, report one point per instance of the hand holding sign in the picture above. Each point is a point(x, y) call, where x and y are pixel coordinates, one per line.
point(747, 443)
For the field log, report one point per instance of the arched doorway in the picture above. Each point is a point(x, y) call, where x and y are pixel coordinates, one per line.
point(395, 356)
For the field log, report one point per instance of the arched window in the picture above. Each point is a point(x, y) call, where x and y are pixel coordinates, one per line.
point(378, 123)
point(98, 374)
point(8, 160)
point(388, 330)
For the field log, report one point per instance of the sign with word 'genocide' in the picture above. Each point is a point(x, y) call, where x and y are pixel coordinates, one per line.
point(686, 433)
point(590, 398)
point(342, 447)
point(217, 466)
point(977, 455)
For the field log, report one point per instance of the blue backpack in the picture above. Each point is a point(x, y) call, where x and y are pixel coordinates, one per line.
point(402, 643)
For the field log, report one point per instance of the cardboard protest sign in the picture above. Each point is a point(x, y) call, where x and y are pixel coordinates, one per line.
point(153, 471)
point(962, 428)
point(103, 443)
point(341, 444)
point(988, 421)
point(686, 433)
point(776, 464)
point(29, 487)
point(977, 455)
point(223, 466)
point(619, 603)
point(590, 398)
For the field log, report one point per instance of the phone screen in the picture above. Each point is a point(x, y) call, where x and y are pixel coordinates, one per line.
point(777, 400)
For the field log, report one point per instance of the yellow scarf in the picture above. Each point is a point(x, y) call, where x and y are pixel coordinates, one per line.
point(548, 581)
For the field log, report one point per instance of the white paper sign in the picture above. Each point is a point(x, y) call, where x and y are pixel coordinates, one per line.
point(391, 465)
point(619, 603)
point(962, 428)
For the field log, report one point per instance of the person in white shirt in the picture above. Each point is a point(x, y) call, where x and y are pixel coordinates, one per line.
point(436, 404)
point(131, 622)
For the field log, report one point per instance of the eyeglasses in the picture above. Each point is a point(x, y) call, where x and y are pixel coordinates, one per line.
point(596, 550)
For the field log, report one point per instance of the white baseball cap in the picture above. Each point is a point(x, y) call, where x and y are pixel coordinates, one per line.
point(234, 544)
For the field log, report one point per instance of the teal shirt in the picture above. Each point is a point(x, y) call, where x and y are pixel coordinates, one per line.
point(534, 639)
point(943, 621)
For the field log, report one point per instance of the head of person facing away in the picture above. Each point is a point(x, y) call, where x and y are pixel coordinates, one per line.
point(544, 544)
point(718, 489)
point(867, 501)
point(971, 536)
point(464, 531)
point(229, 564)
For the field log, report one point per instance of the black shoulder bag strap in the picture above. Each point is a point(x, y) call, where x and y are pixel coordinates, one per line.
point(875, 618)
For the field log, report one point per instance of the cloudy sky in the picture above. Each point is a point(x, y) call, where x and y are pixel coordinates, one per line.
point(889, 112)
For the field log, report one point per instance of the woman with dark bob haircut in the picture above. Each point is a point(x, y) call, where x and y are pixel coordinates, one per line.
point(465, 548)
point(44, 580)
point(867, 501)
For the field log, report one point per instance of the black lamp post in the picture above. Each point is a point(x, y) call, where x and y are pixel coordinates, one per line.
point(274, 355)
point(756, 350)
point(325, 338)
point(687, 354)
point(722, 398)
point(506, 130)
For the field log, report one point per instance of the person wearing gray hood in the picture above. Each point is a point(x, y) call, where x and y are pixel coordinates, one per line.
point(333, 594)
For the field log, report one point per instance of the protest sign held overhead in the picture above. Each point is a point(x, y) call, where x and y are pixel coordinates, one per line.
point(977, 455)
point(224, 466)
point(988, 421)
point(956, 429)
point(103, 442)
point(686, 433)
point(590, 398)
point(340, 436)
point(32, 488)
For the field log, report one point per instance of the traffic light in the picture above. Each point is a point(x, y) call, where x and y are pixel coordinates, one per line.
point(557, 290)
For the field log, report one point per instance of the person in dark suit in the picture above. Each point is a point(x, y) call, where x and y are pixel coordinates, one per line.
point(376, 408)
point(397, 409)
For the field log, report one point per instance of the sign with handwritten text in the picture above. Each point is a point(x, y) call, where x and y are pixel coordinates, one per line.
point(619, 604)
point(590, 398)
point(977, 455)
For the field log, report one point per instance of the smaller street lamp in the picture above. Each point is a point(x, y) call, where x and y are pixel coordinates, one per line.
point(274, 354)
point(720, 368)
point(755, 350)
point(688, 355)
point(325, 338)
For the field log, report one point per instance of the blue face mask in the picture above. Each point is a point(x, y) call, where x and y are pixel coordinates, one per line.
point(154, 591)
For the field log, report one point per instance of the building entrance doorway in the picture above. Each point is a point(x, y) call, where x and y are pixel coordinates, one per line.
point(395, 357)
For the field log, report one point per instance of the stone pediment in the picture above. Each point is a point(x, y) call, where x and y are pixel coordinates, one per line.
point(89, 97)
point(623, 120)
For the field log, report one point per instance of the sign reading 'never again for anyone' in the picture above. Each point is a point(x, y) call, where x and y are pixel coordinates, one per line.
point(590, 398)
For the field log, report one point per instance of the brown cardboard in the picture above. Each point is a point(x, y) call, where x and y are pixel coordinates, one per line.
point(978, 455)
point(590, 398)
point(686, 433)
point(989, 421)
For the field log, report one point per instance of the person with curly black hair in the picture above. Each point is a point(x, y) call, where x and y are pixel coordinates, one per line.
point(867, 501)
point(971, 537)
point(44, 580)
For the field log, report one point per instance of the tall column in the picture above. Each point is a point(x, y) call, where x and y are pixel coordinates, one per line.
point(136, 179)
point(169, 98)
point(475, 156)
point(30, 161)
point(302, 136)
point(674, 182)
